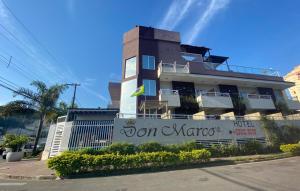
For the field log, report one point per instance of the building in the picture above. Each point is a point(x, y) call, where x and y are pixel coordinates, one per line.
point(80, 128)
point(294, 76)
point(114, 89)
point(190, 94)
point(182, 79)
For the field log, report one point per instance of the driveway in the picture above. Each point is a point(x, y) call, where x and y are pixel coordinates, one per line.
point(282, 174)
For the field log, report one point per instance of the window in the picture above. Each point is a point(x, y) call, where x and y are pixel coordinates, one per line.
point(130, 67)
point(148, 62)
point(128, 103)
point(150, 87)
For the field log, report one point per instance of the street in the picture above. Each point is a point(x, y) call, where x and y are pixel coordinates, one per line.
point(282, 174)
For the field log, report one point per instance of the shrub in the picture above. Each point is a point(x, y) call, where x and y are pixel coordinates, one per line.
point(121, 148)
point(90, 151)
point(74, 163)
point(291, 148)
point(151, 147)
point(253, 147)
point(15, 142)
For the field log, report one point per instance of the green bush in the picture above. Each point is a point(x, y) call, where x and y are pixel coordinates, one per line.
point(15, 142)
point(127, 148)
point(233, 149)
point(253, 147)
point(151, 147)
point(120, 148)
point(291, 148)
point(89, 151)
point(75, 163)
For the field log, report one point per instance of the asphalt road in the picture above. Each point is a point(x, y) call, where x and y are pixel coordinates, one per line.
point(283, 174)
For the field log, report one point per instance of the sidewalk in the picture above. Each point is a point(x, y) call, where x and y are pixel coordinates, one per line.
point(26, 169)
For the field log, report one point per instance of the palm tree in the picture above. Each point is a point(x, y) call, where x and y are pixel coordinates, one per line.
point(44, 100)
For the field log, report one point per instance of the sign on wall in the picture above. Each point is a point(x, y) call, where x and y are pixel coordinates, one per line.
point(138, 131)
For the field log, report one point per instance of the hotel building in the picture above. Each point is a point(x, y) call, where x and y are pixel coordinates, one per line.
point(181, 79)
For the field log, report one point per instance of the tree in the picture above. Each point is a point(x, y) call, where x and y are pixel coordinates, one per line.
point(44, 100)
point(18, 107)
point(60, 110)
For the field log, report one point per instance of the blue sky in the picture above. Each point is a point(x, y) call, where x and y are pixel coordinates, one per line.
point(81, 41)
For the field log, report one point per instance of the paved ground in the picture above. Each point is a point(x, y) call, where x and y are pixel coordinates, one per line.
point(282, 174)
point(25, 168)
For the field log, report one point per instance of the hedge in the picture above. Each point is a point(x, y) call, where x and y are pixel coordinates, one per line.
point(128, 148)
point(74, 163)
point(291, 148)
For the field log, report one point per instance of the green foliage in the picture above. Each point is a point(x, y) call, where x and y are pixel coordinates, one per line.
point(291, 148)
point(253, 147)
point(150, 147)
point(282, 107)
point(121, 148)
point(15, 142)
point(276, 135)
point(249, 148)
point(127, 148)
point(75, 163)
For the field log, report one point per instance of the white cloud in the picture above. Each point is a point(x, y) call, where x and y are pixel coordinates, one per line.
point(176, 12)
point(212, 9)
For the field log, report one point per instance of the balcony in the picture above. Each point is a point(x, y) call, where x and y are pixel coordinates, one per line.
point(259, 102)
point(214, 100)
point(240, 69)
point(171, 96)
point(293, 104)
point(173, 68)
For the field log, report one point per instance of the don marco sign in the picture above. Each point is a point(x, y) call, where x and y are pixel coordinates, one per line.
point(180, 130)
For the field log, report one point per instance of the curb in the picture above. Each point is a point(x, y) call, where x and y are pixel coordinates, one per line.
point(17, 177)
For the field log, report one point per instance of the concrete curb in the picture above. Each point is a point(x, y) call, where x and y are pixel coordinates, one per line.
point(17, 177)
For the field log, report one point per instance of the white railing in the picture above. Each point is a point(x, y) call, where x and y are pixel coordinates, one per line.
point(173, 68)
point(168, 92)
point(257, 96)
point(212, 94)
point(203, 117)
point(243, 69)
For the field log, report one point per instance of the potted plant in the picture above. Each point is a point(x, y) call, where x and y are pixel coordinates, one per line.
point(13, 145)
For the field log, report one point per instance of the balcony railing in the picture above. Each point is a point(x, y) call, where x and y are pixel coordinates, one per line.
point(213, 94)
point(168, 92)
point(242, 69)
point(173, 68)
point(259, 102)
point(171, 96)
point(256, 96)
point(214, 100)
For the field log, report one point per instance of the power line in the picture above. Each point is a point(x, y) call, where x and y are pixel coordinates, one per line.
point(29, 32)
point(15, 65)
point(14, 84)
point(22, 49)
point(22, 72)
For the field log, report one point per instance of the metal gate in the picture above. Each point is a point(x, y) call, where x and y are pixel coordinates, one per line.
point(91, 134)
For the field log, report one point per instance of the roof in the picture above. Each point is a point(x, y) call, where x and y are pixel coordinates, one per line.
point(216, 59)
point(194, 49)
point(105, 111)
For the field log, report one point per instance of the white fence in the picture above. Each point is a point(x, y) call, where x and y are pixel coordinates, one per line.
point(90, 134)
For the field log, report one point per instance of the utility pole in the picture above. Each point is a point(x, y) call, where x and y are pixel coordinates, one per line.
point(74, 93)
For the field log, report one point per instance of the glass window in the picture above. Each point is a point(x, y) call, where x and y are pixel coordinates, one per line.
point(150, 87)
point(128, 103)
point(130, 67)
point(148, 62)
